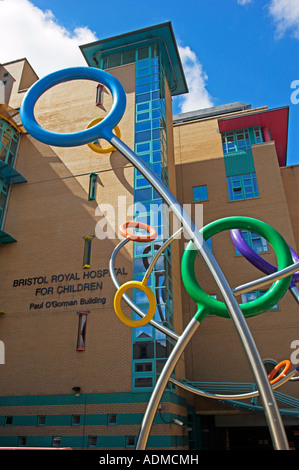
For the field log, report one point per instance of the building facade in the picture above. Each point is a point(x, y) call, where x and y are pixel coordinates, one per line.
point(73, 375)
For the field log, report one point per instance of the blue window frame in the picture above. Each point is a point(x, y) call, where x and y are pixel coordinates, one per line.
point(150, 348)
point(249, 296)
point(9, 139)
point(200, 193)
point(255, 241)
point(241, 139)
point(242, 187)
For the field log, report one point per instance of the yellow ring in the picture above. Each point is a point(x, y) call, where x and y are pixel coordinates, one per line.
point(93, 146)
point(152, 304)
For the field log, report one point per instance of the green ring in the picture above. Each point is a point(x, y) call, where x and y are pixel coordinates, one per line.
point(207, 304)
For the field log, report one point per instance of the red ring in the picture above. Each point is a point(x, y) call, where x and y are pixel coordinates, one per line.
point(286, 364)
point(138, 238)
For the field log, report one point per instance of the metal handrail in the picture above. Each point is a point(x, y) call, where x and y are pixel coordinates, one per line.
point(241, 387)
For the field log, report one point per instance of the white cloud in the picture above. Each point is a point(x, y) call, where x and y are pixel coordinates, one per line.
point(285, 14)
point(27, 31)
point(244, 2)
point(198, 96)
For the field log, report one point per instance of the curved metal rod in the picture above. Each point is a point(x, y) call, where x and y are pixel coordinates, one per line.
point(132, 304)
point(272, 415)
point(219, 396)
point(264, 281)
point(160, 251)
point(162, 381)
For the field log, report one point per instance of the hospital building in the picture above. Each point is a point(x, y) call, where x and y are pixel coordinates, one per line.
point(73, 375)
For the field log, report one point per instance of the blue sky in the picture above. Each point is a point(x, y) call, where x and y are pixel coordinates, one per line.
point(232, 50)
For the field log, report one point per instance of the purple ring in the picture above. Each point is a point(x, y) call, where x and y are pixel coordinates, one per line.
point(257, 260)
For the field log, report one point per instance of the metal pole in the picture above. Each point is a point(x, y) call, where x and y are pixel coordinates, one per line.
point(272, 414)
point(162, 382)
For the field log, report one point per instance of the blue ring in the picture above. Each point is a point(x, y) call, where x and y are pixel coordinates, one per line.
point(102, 130)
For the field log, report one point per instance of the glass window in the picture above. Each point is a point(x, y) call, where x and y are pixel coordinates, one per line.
point(143, 382)
point(255, 241)
point(92, 441)
point(99, 95)
point(130, 441)
point(8, 420)
point(9, 138)
point(75, 420)
point(81, 332)
point(92, 186)
point(111, 419)
point(241, 139)
point(115, 60)
point(242, 187)
point(200, 193)
point(41, 420)
point(56, 441)
point(128, 56)
point(87, 252)
point(22, 440)
point(249, 296)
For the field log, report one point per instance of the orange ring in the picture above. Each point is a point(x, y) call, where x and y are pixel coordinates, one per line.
point(138, 238)
point(286, 364)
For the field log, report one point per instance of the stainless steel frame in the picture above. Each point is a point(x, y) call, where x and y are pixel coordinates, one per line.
point(271, 410)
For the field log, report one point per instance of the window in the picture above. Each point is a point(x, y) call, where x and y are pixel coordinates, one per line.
point(210, 245)
point(242, 187)
point(92, 186)
point(241, 139)
point(249, 296)
point(9, 138)
point(255, 241)
point(22, 440)
point(8, 420)
point(111, 419)
point(81, 331)
point(92, 441)
point(87, 252)
point(75, 420)
point(200, 193)
point(99, 95)
point(130, 441)
point(41, 420)
point(56, 441)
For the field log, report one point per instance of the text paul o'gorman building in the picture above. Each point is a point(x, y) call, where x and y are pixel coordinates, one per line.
point(72, 374)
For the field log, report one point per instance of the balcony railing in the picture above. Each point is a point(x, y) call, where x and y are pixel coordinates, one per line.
point(229, 388)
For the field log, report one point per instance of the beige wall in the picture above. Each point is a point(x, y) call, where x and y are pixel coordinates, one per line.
point(49, 216)
point(216, 353)
point(290, 180)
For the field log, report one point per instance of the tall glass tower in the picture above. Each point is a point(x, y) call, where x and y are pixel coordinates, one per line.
point(158, 75)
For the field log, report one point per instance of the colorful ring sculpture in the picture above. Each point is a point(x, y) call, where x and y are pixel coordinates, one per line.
point(255, 259)
point(206, 303)
point(136, 284)
point(151, 298)
point(103, 129)
point(94, 147)
point(286, 364)
point(138, 238)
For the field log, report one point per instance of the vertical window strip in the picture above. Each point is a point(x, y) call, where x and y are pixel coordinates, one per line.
point(87, 252)
point(149, 346)
point(9, 139)
point(92, 186)
point(99, 94)
point(81, 338)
